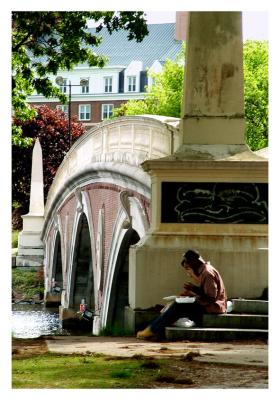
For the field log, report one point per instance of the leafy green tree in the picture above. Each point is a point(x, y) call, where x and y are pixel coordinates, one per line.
point(256, 93)
point(51, 127)
point(44, 42)
point(165, 96)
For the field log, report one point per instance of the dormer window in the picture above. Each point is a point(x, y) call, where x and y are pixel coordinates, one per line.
point(84, 83)
point(108, 84)
point(131, 83)
point(63, 85)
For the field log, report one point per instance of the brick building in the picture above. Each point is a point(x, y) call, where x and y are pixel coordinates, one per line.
point(123, 78)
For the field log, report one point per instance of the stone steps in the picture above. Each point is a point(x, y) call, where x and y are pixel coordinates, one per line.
point(242, 321)
point(247, 320)
point(250, 306)
point(214, 334)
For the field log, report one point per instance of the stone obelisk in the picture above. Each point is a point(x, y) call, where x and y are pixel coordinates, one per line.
point(211, 194)
point(30, 246)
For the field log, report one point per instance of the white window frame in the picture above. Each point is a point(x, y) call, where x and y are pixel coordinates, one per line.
point(131, 83)
point(64, 87)
point(107, 113)
point(63, 107)
point(83, 114)
point(84, 88)
point(108, 84)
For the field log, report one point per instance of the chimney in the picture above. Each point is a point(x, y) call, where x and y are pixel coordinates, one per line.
point(181, 25)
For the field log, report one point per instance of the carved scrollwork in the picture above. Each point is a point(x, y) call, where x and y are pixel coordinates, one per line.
point(124, 198)
point(210, 202)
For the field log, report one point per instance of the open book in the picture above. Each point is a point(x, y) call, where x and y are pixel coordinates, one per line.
point(180, 299)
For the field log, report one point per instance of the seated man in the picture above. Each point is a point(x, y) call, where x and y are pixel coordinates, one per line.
point(210, 296)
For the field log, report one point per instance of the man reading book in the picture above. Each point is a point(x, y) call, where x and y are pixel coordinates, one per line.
point(209, 293)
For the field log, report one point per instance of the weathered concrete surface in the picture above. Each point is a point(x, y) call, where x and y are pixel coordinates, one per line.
point(242, 353)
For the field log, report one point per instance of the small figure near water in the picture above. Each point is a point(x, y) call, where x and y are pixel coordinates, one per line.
point(208, 296)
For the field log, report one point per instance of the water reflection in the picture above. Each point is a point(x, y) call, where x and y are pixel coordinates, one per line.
point(30, 321)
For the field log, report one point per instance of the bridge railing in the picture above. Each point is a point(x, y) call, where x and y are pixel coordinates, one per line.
point(129, 140)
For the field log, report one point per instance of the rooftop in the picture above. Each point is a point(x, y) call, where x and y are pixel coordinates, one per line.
point(160, 44)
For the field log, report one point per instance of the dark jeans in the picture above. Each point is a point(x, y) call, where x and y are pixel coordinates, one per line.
point(193, 311)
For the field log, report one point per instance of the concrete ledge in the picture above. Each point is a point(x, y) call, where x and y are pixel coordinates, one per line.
point(135, 320)
point(29, 261)
point(53, 300)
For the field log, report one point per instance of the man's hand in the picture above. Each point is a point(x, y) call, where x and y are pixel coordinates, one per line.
point(188, 290)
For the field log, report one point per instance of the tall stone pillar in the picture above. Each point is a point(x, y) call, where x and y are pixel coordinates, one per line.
point(30, 246)
point(211, 194)
point(213, 104)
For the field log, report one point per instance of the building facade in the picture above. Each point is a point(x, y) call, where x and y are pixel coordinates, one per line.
point(95, 92)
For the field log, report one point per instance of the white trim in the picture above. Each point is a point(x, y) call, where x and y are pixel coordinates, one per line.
point(87, 211)
point(132, 84)
point(84, 105)
point(102, 110)
point(63, 107)
point(117, 239)
point(138, 218)
point(73, 235)
point(105, 83)
point(79, 212)
point(140, 225)
point(49, 262)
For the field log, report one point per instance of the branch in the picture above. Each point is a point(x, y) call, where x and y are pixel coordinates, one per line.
point(15, 48)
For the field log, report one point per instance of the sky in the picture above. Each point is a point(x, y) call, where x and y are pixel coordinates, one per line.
point(255, 24)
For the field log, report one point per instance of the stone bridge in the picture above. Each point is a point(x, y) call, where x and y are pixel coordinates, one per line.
point(135, 192)
point(98, 206)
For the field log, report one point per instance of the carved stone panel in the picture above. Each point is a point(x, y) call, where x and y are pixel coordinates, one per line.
point(210, 202)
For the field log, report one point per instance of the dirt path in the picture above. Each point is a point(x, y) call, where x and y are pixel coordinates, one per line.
point(22, 348)
point(192, 366)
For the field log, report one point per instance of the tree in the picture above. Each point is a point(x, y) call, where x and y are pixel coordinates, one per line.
point(51, 127)
point(44, 42)
point(256, 93)
point(165, 96)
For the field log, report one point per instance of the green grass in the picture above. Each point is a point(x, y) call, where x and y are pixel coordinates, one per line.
point(28, 284)
point(115, 331)
point(50, 371)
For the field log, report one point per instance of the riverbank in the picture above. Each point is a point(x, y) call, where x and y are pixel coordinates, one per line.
point(125, 362)
point(27, 284)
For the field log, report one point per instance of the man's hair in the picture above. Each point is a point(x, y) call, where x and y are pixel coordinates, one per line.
point(192, 255)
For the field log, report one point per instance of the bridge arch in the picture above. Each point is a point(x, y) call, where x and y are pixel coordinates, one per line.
point(82, 231)
point(118, 291)
point(130, 226)
point(100, 193)
point(81, 284)
point(56, 271)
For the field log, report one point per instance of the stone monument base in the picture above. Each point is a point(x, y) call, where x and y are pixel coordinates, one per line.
point(241, 258)
point(30, 247)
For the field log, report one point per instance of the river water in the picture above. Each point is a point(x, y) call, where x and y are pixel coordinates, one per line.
point(34, 320)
